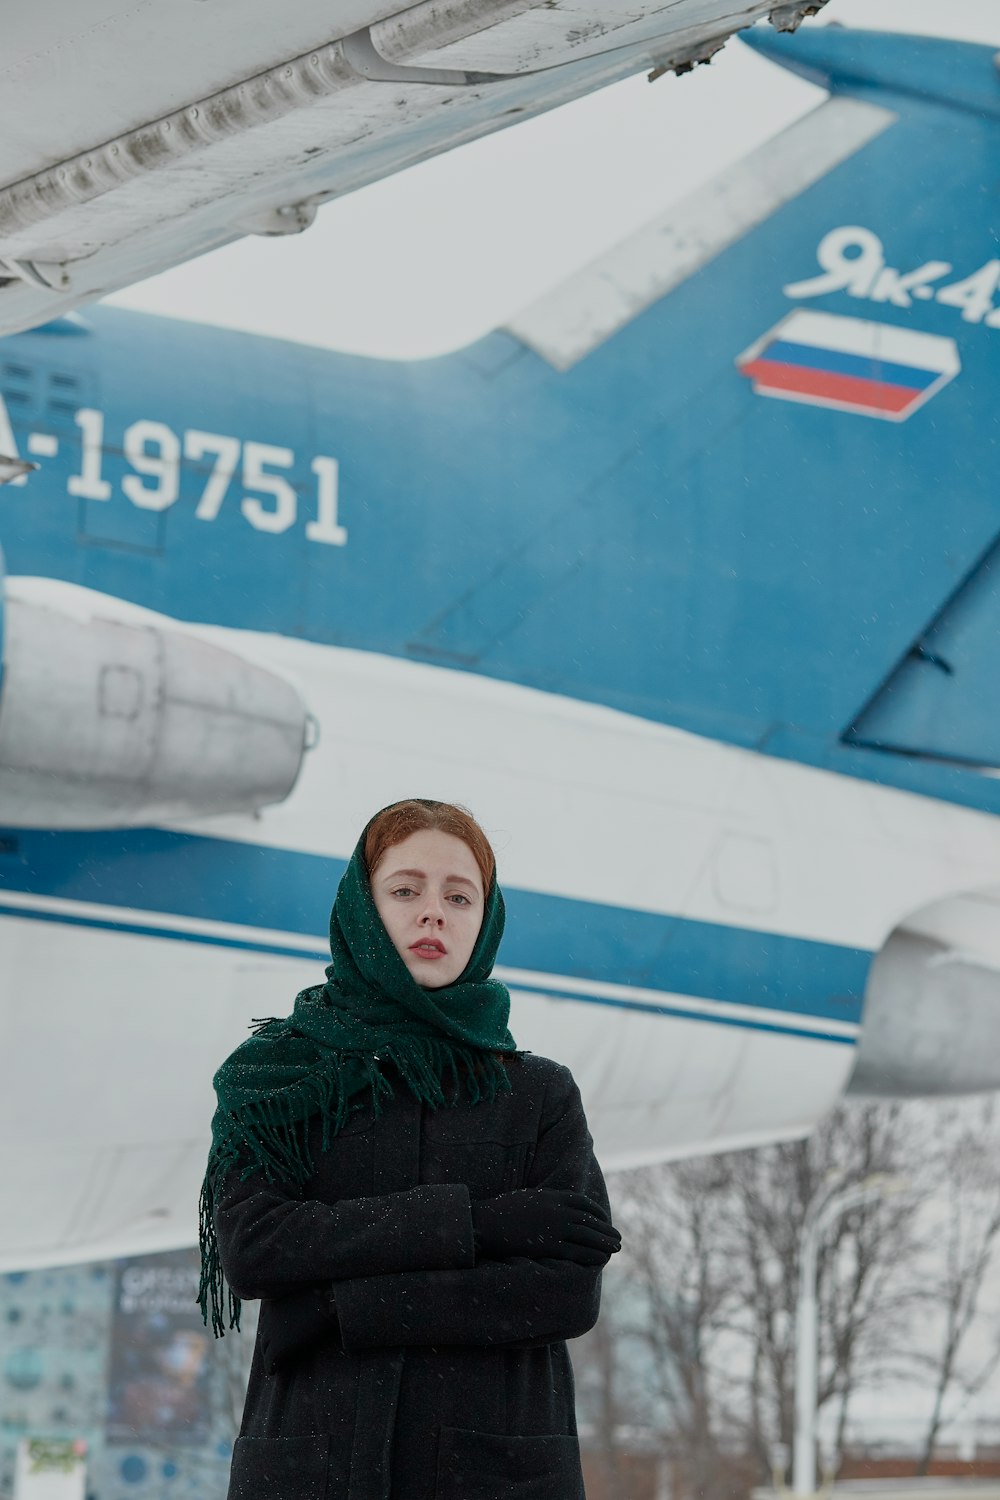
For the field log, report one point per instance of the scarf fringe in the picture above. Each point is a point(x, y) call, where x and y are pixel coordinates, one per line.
point(273, 1131)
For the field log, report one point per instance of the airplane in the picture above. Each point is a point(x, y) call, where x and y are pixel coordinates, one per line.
point(254, 117)
point(683, 582)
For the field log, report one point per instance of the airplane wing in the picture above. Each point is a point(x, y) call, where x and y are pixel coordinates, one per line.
point(139, 135)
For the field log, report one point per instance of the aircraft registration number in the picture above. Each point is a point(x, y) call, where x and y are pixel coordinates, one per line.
point(256, 477)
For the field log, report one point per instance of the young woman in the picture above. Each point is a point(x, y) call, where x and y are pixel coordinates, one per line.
point(415, 1202)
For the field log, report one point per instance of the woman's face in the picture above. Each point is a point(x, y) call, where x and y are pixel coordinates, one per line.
point(429, 894)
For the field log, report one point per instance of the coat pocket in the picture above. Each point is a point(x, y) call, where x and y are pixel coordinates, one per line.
point(292, 1468)
point(492, 1466)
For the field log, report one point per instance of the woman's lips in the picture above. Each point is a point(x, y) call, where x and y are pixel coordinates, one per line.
point(428, 948)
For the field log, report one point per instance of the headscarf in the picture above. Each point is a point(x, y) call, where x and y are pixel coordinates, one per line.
point(324, 1059)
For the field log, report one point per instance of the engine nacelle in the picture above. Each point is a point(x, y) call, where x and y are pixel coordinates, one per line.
point(112, 716)
point(932, 1006)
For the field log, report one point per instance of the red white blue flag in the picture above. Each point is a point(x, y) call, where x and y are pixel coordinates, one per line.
point(850, 364)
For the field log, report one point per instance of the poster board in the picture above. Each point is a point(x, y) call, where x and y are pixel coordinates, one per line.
point(51, 1469)
point(158, 1381)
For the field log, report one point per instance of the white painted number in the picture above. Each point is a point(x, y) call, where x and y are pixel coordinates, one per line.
point(88, 484)
point(164, 465)
point(227, 458)
point(325, 527)
point(153, 451)
point(974, 295)
point(256, 477)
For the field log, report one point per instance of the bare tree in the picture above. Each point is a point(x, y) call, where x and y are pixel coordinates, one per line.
point(668, 1313)
point(684, 1269)
point(962, 1245)
point(604, 1388)
point(712, 1258)
point(862, 1313)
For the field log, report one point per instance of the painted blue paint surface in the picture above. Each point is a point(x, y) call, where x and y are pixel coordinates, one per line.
point(286, 891)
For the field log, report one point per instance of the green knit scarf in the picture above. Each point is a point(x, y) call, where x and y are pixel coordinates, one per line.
point(324, 1058)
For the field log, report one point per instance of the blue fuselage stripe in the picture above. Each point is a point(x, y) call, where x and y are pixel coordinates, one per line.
point(678, 1010)
point(285, 891)
point(669, 1009)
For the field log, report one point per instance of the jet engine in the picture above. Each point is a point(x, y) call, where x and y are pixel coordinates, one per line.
point(111, 716)
point(932, 1007)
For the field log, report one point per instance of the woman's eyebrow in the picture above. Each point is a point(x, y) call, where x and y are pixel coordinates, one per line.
point(421, 875)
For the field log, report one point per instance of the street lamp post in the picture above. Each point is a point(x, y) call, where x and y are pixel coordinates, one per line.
point(822, 1212)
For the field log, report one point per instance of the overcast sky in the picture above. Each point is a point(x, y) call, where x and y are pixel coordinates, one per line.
point(438, 255)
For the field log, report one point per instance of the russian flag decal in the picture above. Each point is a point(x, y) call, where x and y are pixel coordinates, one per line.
point(850, 364)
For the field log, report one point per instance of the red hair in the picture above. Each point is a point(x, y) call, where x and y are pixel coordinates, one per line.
point(394, 824)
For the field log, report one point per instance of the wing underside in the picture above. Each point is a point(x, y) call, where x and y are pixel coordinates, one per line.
point(139, 136)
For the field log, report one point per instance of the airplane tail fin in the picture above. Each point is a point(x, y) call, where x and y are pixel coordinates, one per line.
point(847, 272)
point(873, 78)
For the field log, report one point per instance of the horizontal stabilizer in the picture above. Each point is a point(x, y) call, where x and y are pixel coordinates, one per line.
point(961, 74)
point(941, 699)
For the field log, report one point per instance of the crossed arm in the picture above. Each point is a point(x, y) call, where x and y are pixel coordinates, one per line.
point(401, 1267)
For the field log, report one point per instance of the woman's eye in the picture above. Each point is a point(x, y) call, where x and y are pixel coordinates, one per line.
point(403, 890)
point(463, 899)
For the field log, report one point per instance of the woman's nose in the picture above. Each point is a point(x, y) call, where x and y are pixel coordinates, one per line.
point(433, 911)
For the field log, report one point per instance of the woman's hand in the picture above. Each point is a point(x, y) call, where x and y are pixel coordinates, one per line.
point(544, 1222)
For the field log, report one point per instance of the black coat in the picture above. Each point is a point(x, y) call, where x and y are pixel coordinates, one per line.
point(440, 1378)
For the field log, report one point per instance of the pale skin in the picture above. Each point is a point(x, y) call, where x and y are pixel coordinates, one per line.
point(429, 893)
